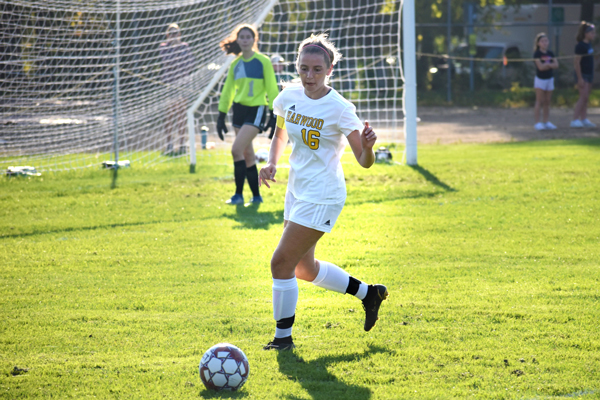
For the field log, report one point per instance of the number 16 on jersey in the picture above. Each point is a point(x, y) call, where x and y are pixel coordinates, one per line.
point(311, 138)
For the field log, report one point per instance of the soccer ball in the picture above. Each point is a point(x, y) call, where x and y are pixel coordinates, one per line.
point(224, 367)
point(383, 155)
point(262, 155)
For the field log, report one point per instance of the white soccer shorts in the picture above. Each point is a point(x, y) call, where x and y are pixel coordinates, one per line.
point(544, 84)
point(320, 217)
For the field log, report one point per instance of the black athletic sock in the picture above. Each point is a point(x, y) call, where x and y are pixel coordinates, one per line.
point(353, 286)
point(239, 172)
point(252, 175)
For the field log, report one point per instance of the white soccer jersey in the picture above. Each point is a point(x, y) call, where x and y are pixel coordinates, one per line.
point(315, 129)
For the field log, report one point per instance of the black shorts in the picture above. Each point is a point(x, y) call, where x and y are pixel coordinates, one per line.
point(245, 115)
point(589, 78)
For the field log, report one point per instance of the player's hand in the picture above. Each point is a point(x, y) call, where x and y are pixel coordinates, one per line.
point(221, 128)
point(267, 173)
point(580, 83)
point(271, 124)
point(368, 137)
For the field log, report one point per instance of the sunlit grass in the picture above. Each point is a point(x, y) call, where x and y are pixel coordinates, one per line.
point(490, 253)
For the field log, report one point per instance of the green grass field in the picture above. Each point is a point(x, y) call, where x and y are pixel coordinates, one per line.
point(491, 254)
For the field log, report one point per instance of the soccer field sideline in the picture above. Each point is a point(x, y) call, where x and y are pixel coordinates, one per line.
point(489, 251)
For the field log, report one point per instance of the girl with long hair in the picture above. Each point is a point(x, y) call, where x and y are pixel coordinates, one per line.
point(584, 73)
point(250, 87)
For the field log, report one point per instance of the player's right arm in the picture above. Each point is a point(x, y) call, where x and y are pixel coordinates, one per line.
point(228, 91)
point(267, 173)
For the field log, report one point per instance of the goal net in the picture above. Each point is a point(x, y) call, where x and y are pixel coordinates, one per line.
point(84, 81)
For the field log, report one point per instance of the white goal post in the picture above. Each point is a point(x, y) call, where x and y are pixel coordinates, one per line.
point(83, 83)
point(410, 81)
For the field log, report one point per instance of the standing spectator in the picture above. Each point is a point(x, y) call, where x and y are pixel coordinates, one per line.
point(584, 74)
point(544, 80)
point(251, 87)
point(278, 66)
point(178, 62)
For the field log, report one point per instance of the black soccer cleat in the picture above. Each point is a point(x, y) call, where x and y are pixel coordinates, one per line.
point(371, 303)
point(281, 344)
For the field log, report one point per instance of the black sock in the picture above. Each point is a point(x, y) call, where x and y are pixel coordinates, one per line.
point(239, 172)
point(353, 286)
point(252, 175)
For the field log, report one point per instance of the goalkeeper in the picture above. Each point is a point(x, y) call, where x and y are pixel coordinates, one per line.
point(251, 87)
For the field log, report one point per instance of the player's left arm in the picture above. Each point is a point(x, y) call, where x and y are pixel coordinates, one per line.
point(554, 63)
point(362, 145)
point(271, 86)
point(267, 173)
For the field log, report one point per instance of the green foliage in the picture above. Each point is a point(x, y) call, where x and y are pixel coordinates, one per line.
point(490, 253)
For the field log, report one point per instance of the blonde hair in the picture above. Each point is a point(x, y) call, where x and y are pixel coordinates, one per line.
point(230, 46)
point(536, 42)
point(173, 26)
point(319, 44)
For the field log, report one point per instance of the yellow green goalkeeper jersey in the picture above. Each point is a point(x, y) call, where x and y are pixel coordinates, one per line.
point(250, 83)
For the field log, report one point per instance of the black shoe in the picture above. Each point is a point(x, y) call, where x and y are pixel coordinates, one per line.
point(281, 344)
point(371, 303)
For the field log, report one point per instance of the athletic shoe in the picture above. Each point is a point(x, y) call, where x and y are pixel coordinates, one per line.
point(576, 124)
point(550, 125)
point(539, 126)
point(371, 303)
point(235, 200)
point(280, 344)
point(255, 201)
point(587, 123)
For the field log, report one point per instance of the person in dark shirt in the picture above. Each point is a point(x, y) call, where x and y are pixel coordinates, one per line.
point(178, 62)
point(545, 63)
point(584, 74)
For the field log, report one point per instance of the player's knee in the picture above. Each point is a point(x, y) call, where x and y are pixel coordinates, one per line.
point(277, 262)
point(236, 153)
point(280, 266)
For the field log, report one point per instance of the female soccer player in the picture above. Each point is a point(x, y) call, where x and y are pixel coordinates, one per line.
point(315, 118)
point(584, 74)
point(543, 81)
point(250, 86)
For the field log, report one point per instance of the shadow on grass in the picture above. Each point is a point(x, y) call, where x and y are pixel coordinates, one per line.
point(81, 228)
point(429, 177)
point(96, 227)
point(211, 394)
point(250, 218)
point(318, 381)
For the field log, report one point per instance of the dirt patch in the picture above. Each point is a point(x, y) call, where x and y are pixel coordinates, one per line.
point(447, 125)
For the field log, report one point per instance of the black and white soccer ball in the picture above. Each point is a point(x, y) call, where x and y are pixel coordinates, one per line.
point(224, 367)
point(383, 155)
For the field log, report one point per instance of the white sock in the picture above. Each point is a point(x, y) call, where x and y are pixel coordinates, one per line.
point(334, 278)
point(285, 298)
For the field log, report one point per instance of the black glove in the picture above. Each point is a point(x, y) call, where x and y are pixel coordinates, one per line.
point(272, 124)
point(221, 128)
